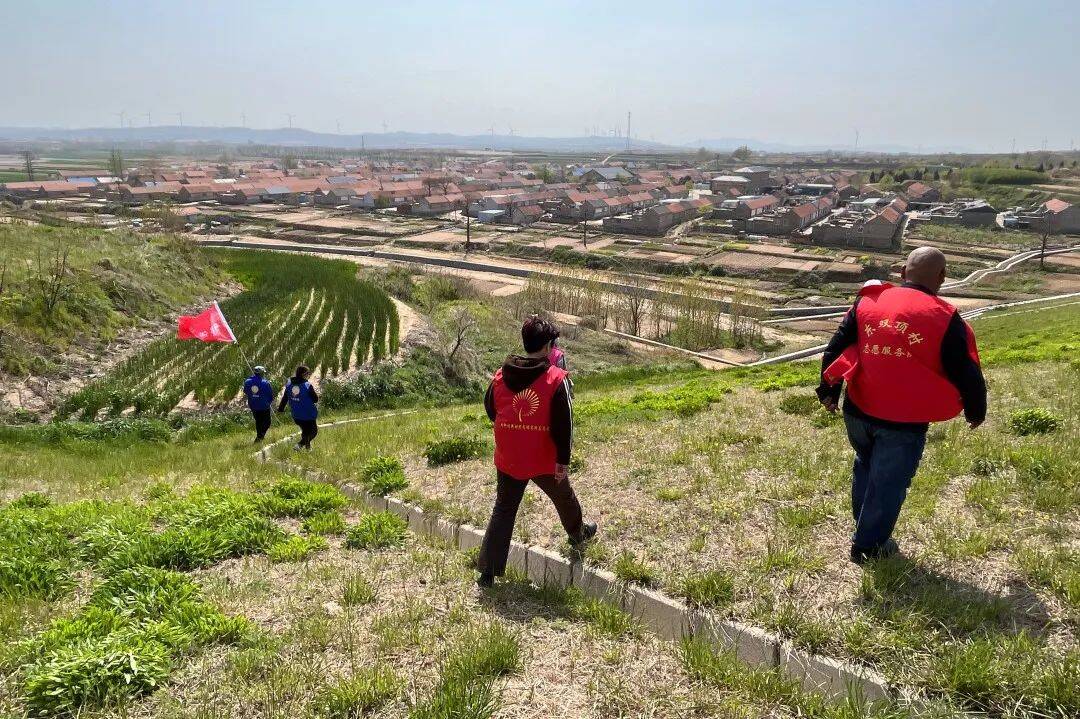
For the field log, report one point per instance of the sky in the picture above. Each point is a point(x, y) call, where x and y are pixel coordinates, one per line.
point(972, 74)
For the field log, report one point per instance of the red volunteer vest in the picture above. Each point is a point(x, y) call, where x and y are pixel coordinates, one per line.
point(894, 370)
point(523, 445)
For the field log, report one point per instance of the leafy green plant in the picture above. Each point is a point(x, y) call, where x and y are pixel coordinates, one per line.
point(324, 523)
point(1036, 420)
point(379, 530)
point(605, 618)
point(802, 405)
point(295, 548)
point(383, 475)
point(455, 449)
point(300, 498)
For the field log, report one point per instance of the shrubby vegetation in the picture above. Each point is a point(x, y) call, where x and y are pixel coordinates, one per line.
point(63, 285)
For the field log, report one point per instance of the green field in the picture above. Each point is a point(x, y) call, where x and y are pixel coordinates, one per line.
point(294, 310)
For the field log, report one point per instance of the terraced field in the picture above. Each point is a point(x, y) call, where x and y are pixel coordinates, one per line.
point(295, 309)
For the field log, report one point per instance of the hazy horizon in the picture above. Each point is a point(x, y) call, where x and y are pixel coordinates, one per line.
point(949, 75)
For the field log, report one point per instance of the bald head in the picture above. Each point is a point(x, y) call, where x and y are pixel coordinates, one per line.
point(925, 266)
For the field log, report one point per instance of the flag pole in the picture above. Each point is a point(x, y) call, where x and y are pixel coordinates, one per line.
point(236, 342)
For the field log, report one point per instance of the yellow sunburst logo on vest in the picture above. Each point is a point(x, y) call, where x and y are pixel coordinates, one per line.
point(525, 403)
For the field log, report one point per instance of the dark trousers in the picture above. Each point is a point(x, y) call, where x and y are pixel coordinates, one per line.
point(508, 494)
point(262, 422)
point(886, 460)
point(308, 429)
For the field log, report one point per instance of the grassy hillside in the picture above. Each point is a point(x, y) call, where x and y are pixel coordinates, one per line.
point(295, 309)
point(738, 483)
point(177, 577)
point(65, 285)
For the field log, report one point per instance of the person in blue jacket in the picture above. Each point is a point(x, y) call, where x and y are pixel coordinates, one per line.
point(260, 398)
point(303, 404)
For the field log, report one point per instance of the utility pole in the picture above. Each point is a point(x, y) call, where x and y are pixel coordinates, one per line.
point(1014, 146)
point(180, 119)
point(243, 120)
point(338, 126)
point(121, 116)
point(584, 232)
point(1046, 236)
point(856, 139)
point(290, 116)
point(28, 158)
point(148, 118)
point(628, 132)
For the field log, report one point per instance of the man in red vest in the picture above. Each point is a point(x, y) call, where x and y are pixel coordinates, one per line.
point(529, 402)
point(909, 359)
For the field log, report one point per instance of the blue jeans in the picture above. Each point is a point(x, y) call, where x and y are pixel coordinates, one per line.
point(886, 460)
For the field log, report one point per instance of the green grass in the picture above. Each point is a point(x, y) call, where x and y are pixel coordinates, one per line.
point(380, 530)
point(383, 475)
point(365, 692)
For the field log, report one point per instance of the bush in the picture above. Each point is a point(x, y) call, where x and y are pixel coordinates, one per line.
point(365, 692)
point(383, 475)
point(377, 531)
point(455, 449)
point(1025, 422)
point(714, 590)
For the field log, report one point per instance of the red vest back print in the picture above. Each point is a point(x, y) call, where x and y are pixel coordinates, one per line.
point(894, 370)
point(523, 445)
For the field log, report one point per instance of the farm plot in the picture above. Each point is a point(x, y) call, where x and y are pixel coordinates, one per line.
point(732, 491)
point(295, 310)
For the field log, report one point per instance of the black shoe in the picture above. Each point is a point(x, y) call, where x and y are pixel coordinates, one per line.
point(485, 581)
point(862, 555)
point(588, 531)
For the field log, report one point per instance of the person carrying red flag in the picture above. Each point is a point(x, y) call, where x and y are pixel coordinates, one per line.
point(530, 405)
point(909, 359)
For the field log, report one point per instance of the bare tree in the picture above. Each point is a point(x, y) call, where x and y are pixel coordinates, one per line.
point(459, 325)
point(632, 303)
point(116, 163)
point(51, 277)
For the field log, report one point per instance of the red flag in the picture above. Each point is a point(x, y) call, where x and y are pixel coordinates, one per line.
point(210, 326)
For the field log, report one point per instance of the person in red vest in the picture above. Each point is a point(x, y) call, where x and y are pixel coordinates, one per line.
point(909, 359)
point(530, 405)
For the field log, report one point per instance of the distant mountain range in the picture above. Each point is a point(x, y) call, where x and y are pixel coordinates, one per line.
point(727, 144)
point(299, 137)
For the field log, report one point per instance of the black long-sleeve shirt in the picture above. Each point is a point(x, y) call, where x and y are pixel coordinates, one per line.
point(285, 395)
point(960, 369)
point(519, 373)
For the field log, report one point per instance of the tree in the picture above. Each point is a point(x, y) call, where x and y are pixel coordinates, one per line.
point(742, 153)
point(460, 324)
point(937, 175)
point(702, 155)
point(544, 174)
point(288, 162)
point(632, 303)
point(51, 277)
point(116, 163)
point(873, 176)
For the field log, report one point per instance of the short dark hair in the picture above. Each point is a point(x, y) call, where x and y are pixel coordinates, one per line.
point(302, 371)
point(537, 332)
